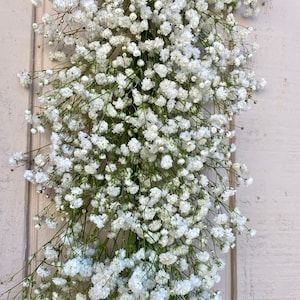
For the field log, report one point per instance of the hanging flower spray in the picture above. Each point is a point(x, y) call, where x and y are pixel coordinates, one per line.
point(138, 106)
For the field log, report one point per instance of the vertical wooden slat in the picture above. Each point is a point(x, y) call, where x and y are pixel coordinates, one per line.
point(37, 238)
point(29, 147)
point(232, 257)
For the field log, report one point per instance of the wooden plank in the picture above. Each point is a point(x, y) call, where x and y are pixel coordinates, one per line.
point(268, 265)
point(15, 36)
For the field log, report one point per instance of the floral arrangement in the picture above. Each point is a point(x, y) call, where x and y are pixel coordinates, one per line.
point(138, 106)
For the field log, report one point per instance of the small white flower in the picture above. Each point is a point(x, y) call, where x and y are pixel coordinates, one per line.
point(124, 150)
point(184, 207)
point(203, 256)
point(99, 220)
point(160, 294)
point(41, 177)
point(165, 28)
point(50, 253)
point(149, 213)
point(72, 267)
point(25, 78)
point(218, 232)
point(62, 6)
point(43, 271)
point(59, 281)
point(161, 101)
point(136, 281)
point(151, 133)
point(221, 219)
point(56, 56)
point(52, 224)
point(155, 193)
point(118, 128)
point(168, 89)
point(111, 111)
point(166, 162)
point(155, 225)
point(66, 92)
point(36, 3)
point(249, 181)
point(167, 258)
point(133, 189)
point(73, 73)
point(134, 145)
point(164, 54)
point(113, 191)
point(221, 93)
point(162, 277)
point(16, 158)
point(147, 84)
point(182, 287)
point(161, 70)
point(203, 180)
point(252, 232)
point(100, 141)
point(89, 5)
point(80, 296)
point(90, 169)
point(76, 203)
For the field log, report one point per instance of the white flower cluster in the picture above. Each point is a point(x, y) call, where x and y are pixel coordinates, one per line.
point(140, 146)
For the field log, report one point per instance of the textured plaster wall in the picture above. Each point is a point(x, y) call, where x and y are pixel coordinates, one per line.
point(269, 264)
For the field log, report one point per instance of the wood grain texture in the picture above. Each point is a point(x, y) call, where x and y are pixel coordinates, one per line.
point(15, 36)
point(269, 264)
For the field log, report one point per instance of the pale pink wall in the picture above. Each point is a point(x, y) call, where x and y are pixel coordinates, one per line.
point(15, 23)
point(269, 264)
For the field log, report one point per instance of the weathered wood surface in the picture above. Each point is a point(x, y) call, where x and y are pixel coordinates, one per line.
point(15, 36)
point(269, 264)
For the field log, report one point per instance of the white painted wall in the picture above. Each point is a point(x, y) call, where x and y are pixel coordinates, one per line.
point(15, 24)
point(269, 264)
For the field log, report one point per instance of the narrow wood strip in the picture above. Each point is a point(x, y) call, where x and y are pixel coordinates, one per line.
point(232, 204)
point(28, 187)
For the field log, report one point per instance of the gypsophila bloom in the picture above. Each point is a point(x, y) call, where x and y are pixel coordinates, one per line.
point(166, 162)
point(25, 78)
point(36, 3)
point(137, 105)
point(17, 158)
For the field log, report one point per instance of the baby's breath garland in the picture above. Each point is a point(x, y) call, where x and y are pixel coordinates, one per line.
point(138, 108)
